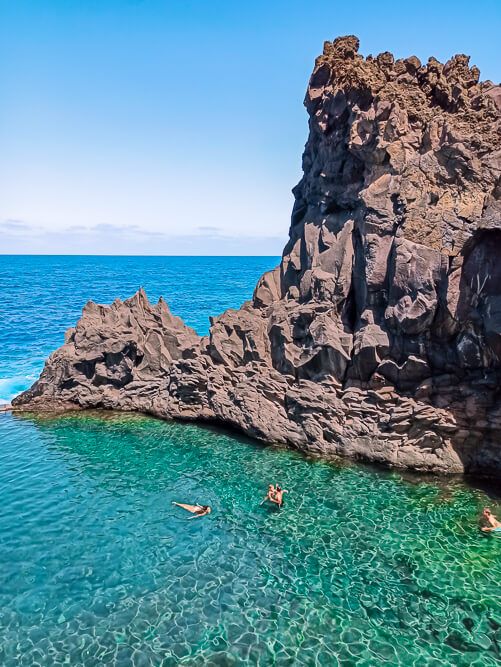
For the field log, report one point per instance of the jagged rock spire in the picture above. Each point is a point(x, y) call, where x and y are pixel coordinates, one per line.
point(379, 335)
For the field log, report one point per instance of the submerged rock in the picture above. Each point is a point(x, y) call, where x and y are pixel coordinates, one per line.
point(379, 335)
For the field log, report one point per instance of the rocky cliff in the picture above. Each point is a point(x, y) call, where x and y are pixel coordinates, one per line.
point(379, 335)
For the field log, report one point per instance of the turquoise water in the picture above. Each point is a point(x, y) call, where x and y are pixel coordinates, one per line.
point(42, 296)
point(360, 567)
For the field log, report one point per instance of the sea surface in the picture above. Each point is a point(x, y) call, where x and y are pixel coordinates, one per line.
point(42, 296)
point(361, 566)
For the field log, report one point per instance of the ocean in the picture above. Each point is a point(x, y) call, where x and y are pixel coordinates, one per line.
point(362, 566)
point(41, 296)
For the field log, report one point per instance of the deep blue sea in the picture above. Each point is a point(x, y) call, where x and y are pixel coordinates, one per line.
point(361, 567)
point(41, 296)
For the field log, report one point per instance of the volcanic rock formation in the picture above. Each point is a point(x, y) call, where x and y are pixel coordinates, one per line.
point(379, 335)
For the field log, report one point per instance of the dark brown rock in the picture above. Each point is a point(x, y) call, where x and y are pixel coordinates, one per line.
point(379, 335)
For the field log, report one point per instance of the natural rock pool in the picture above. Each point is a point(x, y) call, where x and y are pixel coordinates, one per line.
point(360, 567)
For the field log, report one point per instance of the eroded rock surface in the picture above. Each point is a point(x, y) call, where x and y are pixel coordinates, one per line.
point(379, 335)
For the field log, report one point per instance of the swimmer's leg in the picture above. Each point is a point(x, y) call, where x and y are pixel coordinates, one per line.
point(191, 508)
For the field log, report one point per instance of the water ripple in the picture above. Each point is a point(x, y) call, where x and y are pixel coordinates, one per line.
point(361, 567)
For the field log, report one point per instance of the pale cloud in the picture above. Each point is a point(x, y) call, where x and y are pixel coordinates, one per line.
point(208, 229)
point(21, 237)
point(145, 207)
point(16, 226)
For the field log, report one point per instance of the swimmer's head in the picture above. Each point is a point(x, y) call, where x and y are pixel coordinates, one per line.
point(486, 511)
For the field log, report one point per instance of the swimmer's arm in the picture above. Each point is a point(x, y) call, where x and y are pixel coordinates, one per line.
point(199, 514)
point(487, 529)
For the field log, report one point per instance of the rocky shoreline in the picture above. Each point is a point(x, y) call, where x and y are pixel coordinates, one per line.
point(379, 334)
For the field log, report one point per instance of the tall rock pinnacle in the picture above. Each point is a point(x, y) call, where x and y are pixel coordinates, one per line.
point(379, 335)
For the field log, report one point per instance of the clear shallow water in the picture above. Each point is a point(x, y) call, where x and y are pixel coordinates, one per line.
point(40, 297)
point(361, 567)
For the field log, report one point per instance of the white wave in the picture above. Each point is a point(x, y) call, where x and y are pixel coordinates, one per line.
point(11, 387)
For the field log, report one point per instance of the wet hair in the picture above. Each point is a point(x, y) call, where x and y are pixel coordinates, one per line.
point(279, 488)
point(486, 510)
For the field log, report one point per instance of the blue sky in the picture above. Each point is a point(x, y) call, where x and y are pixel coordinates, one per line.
point(176, 127)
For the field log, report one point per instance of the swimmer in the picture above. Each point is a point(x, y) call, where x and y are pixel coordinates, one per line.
point(270, 495)
point(279, 495)
point(196, 510)
point(491, 520)
point(275, 495)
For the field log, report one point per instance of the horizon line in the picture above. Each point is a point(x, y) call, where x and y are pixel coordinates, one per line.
point(105, 255)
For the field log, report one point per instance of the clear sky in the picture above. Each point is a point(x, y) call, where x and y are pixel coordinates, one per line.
point(177, 126)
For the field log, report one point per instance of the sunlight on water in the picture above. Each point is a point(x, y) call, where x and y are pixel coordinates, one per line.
point(361, 567)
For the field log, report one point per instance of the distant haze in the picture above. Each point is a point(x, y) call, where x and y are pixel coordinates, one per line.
point(165, 127)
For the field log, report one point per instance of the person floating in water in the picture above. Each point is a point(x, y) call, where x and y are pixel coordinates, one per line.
point(492, 522)
point(275, 495)
point(196, 510)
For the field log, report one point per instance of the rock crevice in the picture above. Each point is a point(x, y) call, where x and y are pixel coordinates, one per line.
point(379, 334)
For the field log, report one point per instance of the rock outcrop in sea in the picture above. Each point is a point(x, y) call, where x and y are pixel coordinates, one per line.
point(379, 334)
